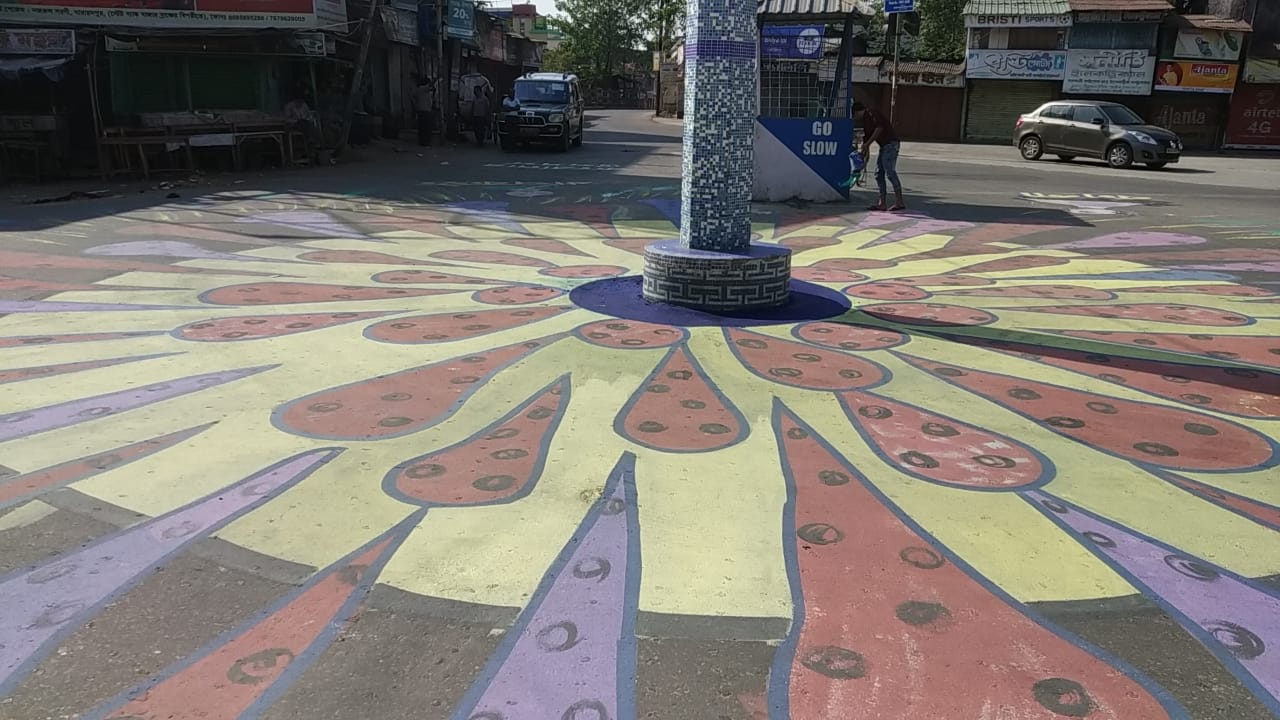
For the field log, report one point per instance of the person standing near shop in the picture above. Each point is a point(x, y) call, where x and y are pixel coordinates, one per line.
point(424, 103)
point(481, 115)
point(876, 128)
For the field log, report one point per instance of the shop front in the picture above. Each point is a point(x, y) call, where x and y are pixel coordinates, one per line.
point(1004, 84)
point(930, 105)
point(1197, 71)
point(44, 96)
point(1253, 121)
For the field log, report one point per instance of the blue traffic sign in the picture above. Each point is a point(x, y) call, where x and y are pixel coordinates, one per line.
point(899, 6)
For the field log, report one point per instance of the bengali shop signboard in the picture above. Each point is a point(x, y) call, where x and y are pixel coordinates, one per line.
point(1109, 72)
point(33, 41)
point(187, 14)
point(1016, 64)
point(1255, 117)
point(1203, 77)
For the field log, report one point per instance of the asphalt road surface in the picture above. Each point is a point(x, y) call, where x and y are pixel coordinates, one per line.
point(364, 442)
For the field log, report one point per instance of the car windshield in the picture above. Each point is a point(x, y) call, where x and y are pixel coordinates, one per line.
point(542, 91)
point(1121, 115)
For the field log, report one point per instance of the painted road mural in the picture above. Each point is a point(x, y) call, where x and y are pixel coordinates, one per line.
point(973, 472)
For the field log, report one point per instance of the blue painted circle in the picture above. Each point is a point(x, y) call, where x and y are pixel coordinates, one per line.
point(621, 298)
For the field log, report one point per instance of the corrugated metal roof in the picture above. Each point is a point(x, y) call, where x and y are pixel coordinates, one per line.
point(931, 68)
point(867, 61)
point(1211, 22)
point(1132, 5)
point(812, 8)
point(1017, 7)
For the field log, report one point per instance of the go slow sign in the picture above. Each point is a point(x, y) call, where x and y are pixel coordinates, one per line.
point(821, 144)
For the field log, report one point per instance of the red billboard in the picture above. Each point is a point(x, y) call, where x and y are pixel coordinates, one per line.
point(1254, 120)
point(186, 14)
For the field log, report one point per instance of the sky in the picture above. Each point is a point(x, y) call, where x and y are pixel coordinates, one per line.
point(545, 7)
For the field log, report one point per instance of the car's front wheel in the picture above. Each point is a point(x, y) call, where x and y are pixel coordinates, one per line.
point(582, 130)
point(1120, 155)
point(1031, 147)
point(566, 141)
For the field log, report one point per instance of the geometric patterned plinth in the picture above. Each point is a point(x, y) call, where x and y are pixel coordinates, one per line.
point(717, 281)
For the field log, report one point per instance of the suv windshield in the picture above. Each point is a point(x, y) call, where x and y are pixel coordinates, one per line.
point(542, 91)
point(1121, 115)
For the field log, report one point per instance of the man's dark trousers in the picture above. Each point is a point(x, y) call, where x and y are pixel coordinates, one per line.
point(426, 126)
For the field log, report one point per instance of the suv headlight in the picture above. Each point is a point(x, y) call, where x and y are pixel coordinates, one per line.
point(1143, 138)
point(556, 118)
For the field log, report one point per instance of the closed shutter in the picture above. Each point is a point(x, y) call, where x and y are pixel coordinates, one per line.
point(224, 83)
point(994, 106)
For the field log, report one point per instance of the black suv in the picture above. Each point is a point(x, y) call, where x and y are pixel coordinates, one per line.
point(550, 111)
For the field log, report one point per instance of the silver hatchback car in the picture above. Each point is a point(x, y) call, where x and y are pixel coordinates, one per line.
point(1090, 128)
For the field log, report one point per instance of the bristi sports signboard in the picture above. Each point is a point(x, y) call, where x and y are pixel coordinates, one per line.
point(283, 14)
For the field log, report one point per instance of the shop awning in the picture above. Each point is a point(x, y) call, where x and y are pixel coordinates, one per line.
point(1210, 22)
point(13, 66)
point(1120, 5)
point(1017, 7)
point(811, 10)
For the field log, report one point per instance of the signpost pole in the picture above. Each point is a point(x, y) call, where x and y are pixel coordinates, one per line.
point(895, 9)
point(357, 80)
point(897, 43)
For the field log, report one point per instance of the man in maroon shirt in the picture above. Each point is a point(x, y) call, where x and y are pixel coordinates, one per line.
point(876, 128)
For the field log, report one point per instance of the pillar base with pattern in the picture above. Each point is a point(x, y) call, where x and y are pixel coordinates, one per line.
point(720, 282)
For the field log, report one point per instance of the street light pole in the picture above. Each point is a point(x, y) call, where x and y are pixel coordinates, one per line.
point(897, 44)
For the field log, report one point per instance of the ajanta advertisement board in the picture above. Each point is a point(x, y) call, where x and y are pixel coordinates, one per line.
point(282, 14)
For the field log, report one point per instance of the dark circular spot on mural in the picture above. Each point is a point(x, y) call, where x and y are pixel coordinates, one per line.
point(1238, 640)
point(1064, 697)
point(939, 430)
point(558, 637)
point(875, 412)
point(715, 428)
point(995, 461)
point(1055, 506)
point(494, 483)
point(395, 422)
point(832, 478)
point(659, 388)
point(1154, 448)
point(1196, 398)
point(1200, 429)
point(918, 459)
point(1102, 407)
point(503, 434)
point(796, 433)
point(1066, 423)
point(1099, 539)
point(834, 662)
point(424, 471)
point(622, 298)
point(1193, 568)
point(397, 397)
point(921, 557)
point(820, 534)
point(592, 568)
point(753, 344)
point(540, 413)
point(1024, 394)
point(651, 426)
point(950, 372)
point(680, 374)
point(586, 710)
point(918, 613)
point(785, 372)
point(692, 404)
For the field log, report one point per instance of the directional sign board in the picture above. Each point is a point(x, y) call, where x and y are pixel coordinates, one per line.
point(899, 6)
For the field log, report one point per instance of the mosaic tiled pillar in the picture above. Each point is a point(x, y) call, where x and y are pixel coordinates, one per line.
point(719, 124)
point(715, 266)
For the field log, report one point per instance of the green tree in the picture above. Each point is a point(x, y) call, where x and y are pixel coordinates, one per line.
point(942, 31)
point(601, 36)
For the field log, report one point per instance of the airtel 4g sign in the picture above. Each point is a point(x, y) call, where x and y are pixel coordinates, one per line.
point(1255, 117)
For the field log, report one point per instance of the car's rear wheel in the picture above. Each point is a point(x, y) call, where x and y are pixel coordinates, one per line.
point(1120, 155)
point(1066, 158)
point(1031, 147)
point(1157, 165)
